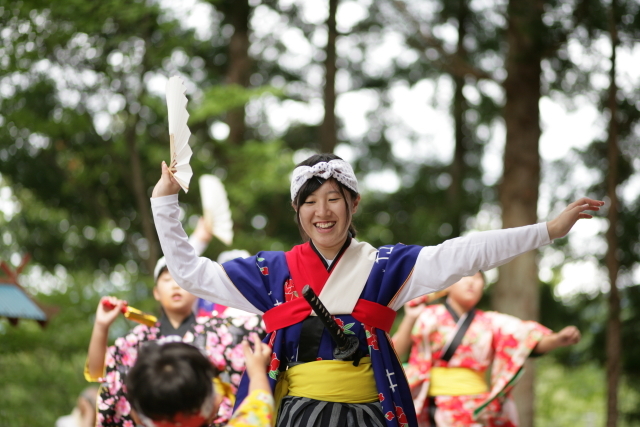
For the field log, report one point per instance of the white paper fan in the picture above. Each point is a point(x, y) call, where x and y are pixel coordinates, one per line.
point(215, 206)
point(179, 132)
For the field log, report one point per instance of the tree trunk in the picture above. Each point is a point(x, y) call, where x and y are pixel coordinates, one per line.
point(516, 292)
point(455, 192)
point(329, 128)
point(613, 324)
point(140, 194)
point(239, 70)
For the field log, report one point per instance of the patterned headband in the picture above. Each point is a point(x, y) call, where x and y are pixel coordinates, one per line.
point(338, 169)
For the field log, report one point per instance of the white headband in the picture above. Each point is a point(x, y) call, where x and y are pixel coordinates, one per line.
point(338, 169)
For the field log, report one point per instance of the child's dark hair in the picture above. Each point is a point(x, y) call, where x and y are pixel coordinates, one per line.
point(313, 184)
point(169, 379)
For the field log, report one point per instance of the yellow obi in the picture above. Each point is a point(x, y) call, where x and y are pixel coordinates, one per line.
point(329, 380)
point(457, 382)
point(224, 389)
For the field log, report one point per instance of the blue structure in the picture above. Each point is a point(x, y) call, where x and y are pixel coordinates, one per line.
point(16, 304)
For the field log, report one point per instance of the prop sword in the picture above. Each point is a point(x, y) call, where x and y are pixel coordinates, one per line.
point(133, 314)
point(347, 345)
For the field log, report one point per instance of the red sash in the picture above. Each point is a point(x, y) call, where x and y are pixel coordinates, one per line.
point(306, 268)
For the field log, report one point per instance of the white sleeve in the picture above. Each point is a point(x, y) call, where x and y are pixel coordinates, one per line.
point(439, 267)
point(198, 275)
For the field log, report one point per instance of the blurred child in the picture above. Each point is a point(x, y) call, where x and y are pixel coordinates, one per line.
point(84, 413)
point(171, 385)
point(455, 345)
point(219, 338)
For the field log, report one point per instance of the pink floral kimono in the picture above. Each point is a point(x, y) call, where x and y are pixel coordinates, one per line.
point(495, 342)
point(218, 338)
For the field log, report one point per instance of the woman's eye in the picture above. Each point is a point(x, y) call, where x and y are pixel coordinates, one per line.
point(334, 200)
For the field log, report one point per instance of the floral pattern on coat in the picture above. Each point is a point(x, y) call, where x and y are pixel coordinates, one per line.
point(219, 339)
point(257, 410)
point(494, 341)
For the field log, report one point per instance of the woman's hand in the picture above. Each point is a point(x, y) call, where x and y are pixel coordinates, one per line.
point(108, 310)
point(167, 185)
point(256, 362)
point(413, 311)
point(560, 226)
point(569, 335)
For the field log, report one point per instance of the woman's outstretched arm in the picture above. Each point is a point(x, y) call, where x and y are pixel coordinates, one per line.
point(569, 335)
point(438, 267)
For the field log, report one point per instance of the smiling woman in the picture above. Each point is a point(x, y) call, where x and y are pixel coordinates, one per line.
point(361, 287)
point(324, 207)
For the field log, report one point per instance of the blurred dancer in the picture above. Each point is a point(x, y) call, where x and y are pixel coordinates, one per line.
point(455, 345)
point(218, 338)
point(84, 413)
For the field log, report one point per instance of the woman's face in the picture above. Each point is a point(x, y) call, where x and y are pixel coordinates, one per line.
point(325, 218)
point(172, 297)
point(468, 291)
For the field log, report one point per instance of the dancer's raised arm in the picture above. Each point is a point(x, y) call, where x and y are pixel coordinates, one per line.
point(198, 275)
point(438, 267)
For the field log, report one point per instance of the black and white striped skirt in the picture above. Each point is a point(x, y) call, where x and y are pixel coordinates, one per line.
point(304, 412)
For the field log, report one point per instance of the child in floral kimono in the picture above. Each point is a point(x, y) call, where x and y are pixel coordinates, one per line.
point(219, 338)
point(455, 344)
point(361, 286)
point(171, 385)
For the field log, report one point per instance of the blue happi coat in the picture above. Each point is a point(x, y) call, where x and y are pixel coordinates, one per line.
point(265, 281)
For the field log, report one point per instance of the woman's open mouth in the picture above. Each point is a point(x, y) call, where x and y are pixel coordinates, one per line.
point(325, 226)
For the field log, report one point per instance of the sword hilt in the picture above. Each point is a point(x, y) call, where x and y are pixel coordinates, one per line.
point(347, 345)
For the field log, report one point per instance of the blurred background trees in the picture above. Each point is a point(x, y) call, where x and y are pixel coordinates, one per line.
point(438, 104)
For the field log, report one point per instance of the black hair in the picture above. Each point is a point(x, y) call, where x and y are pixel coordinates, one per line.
point(313, 184)
point(169, 379)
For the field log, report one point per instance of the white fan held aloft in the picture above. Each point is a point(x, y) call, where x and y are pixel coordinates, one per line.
point(179, 132)
point(215, 206)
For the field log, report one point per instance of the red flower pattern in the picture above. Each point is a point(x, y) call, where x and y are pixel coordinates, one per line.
point(402, 418)
point(372, 338)
point(274, 366)
point(275, 362)
point(290, 291)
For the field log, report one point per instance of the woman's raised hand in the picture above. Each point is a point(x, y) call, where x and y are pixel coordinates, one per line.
point(560, 226)
point(167, 185)
point(108, 309)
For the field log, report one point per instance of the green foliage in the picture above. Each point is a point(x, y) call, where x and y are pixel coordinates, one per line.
point(566, 397)
point(569, 396)
point(39, 386)
point(220, 99)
